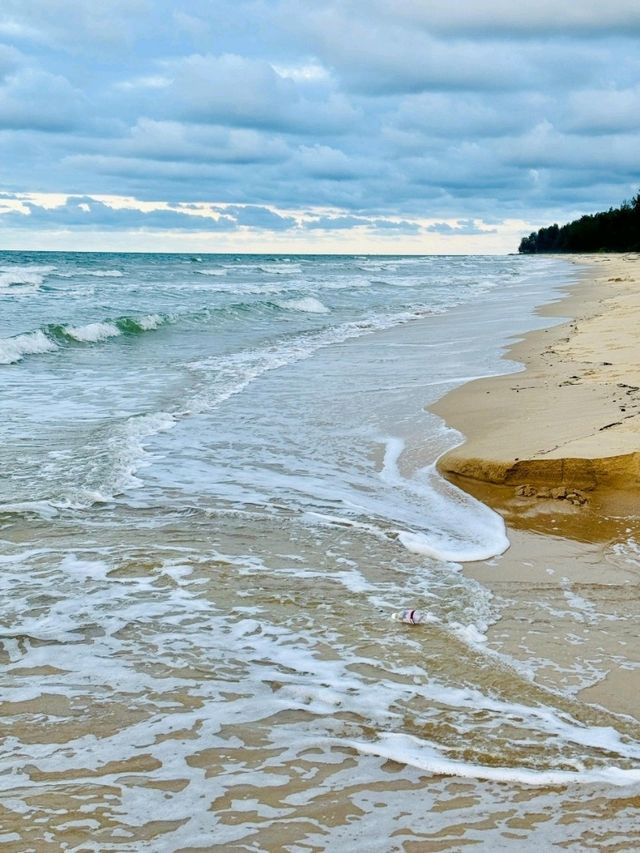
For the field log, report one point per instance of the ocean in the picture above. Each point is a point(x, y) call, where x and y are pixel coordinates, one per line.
point(217, 486)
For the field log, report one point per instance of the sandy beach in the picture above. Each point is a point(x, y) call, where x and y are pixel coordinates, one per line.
point(555, 448)
point(562, 437)
point(320, 461)
point(212, 519)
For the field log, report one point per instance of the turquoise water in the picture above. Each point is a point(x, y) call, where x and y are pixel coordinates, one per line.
point(244, 380)
point(217, 485)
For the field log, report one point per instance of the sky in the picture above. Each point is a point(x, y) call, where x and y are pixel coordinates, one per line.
point(386, 126)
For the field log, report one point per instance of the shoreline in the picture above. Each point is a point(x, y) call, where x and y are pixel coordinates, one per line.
point(567, 584)
point(556, 445)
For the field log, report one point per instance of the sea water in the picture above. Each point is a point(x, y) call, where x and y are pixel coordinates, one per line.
point(217, 485)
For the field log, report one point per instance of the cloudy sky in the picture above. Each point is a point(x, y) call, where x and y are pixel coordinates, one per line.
point(299, 125)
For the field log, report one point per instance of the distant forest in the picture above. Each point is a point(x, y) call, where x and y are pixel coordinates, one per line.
point(614, 230)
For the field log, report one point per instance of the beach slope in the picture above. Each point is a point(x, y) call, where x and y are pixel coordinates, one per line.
point(566, 428)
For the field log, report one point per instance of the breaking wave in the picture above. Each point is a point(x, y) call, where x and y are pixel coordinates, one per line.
point(14, 349)
point(92, 273)
point(308, 305)
point(15, 280)
point(212, 272)
point(51, 337)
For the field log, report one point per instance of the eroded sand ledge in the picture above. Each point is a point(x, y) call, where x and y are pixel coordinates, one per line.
point(567, 428)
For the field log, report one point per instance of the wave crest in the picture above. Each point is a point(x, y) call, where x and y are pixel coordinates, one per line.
point(19, 279)
point(92, 332)
point(92, 273)
point(55, 335)
point(14, 349)
point(308, 305)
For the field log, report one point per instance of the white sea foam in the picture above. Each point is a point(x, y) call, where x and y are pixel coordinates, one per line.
point(93, 332)
point(20, 279)
point(103, 273)
point(339, 521)
point(75, 273)
point(280, 268)
point(43, 509)
point(626, 553)
point(14, 349)
point(461, 529)
point(308, 304)
point(94, 639)
point(116, 470)
point(233, 373)
point(85, 569)
point(546, 719)
point(456, 547)
point(581, 609)
point(372, 266)
point(449, 525)
point(150, 321)
point(213, 271)
point(281, 672)
point(38, 342)
point(410, 750)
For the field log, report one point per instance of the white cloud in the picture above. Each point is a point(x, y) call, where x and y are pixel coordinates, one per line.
point(305, 72)
point(147, 81)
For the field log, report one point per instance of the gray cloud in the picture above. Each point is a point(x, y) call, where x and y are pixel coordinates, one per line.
point(260, 217)
point(323, 161)
point(546, 147)
point(343, 223)
point(37, 100)
point(83, 212)
point(463, 116)
point(172, 140)
point(394, 59)
point(383, 110)
point(75, 25)
point(603, 111)
point(10, 59)
point(243, 92)
point(545, 17)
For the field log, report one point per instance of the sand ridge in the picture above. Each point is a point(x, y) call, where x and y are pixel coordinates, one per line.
point(566, 428)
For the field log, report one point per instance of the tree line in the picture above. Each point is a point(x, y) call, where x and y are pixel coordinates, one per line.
point(613, 230)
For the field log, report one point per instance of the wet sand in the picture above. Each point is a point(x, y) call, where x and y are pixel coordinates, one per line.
point(555, 449)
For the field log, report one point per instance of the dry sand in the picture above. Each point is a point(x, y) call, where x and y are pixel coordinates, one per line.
point(556, 450)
